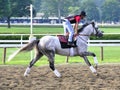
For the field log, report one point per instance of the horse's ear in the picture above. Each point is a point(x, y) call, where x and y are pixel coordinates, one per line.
point(93, 23)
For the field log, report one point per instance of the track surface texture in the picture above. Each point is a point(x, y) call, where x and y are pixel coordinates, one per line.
point(74, 77)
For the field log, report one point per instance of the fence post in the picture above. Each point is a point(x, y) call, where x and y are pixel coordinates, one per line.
point(21, 40)
point(4, 55)
point(102, 55)
point(67, 58)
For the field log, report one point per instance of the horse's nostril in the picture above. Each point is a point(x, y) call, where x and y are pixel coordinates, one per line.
point(100, 34)
point(102, 31)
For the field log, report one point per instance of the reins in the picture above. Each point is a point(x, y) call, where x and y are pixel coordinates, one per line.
point(83, 34)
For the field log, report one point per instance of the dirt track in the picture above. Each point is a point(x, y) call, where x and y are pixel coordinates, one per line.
point(74, 77)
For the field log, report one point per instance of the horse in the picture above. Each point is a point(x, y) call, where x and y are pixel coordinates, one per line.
point(50, 45)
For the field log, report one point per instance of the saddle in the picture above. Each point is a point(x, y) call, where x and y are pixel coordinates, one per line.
point(64, 40)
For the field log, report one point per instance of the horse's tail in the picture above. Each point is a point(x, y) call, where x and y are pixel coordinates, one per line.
point(27, 47)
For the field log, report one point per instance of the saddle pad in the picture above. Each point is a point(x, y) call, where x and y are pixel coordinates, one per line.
point(63, 41)
point(62, 38)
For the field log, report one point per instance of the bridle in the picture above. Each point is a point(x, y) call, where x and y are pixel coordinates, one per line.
point(95, 28)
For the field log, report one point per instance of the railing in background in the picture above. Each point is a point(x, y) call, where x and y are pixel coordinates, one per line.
point(19, 43)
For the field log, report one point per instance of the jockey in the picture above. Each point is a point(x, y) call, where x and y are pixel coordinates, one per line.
point(68, 29)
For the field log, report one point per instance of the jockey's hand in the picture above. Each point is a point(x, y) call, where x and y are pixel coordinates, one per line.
point(67, 34)
point(75, 34)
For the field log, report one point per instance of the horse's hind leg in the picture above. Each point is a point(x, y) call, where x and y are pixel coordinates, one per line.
point(51, 55)
point(37, 57)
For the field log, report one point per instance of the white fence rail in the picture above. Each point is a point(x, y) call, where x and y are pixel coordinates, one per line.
point(102, 43)
point(19, 43)
point(12, 43)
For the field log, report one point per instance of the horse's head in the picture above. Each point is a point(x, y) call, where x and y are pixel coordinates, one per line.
point(96, 31)
point(90, 29)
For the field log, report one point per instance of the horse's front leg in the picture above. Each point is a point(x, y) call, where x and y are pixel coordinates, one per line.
point(94, 57)
point(38, 55)
point(90, 66)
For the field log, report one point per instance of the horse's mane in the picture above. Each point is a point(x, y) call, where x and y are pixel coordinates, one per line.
point(85, 25)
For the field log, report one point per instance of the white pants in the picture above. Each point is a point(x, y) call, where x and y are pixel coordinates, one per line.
point(68, 28)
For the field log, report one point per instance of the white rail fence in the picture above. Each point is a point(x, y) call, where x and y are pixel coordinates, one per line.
point(19, 43)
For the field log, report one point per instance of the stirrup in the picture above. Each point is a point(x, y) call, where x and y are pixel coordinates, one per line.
point(70, 44)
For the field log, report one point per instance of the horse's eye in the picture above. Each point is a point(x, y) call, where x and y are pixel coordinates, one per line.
point(96, 27)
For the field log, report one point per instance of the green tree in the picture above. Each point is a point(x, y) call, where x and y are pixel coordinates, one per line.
point(111, 10)
point(49, 7)
point(37, 5)
point(91, 9)
point(14, 8)
point(74, 7)
point(60, 7)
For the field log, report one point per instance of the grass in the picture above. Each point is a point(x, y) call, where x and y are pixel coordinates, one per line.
point(111, 54)
point(110, 30)
point(47, 30)
point(26, 30)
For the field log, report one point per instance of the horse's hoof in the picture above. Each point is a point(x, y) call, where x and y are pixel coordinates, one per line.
point(96, 74)
point(26, 74)
point(57, 73)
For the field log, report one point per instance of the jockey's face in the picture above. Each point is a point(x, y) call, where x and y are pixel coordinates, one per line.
point(82, 17)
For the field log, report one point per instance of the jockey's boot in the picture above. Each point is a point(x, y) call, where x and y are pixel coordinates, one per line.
point(71, 44)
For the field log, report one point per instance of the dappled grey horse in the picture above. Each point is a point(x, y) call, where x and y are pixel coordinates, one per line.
point(50, 45)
